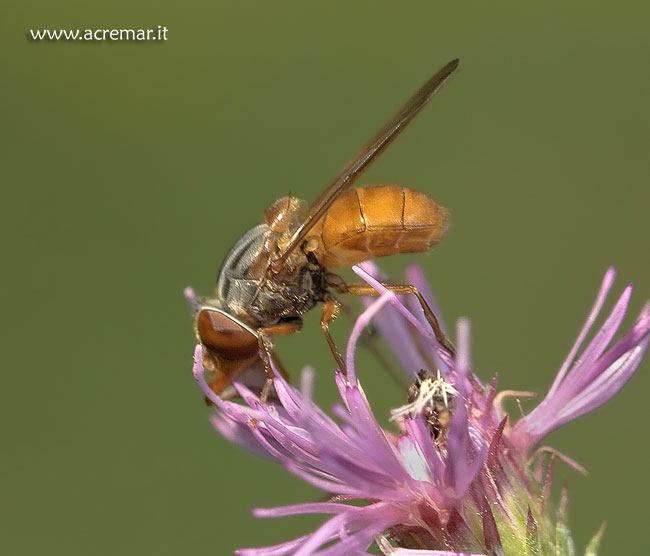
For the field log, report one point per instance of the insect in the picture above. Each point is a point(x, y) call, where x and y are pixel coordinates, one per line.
point(435, 399)
point(282, 268)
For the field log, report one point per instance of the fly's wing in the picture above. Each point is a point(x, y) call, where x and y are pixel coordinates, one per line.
point(353, 169)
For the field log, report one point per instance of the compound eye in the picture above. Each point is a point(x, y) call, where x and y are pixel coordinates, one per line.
point(226, 337)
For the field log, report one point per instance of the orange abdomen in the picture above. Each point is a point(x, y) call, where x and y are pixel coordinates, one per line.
point(376, 221)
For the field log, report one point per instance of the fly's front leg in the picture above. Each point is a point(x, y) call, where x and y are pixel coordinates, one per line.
point(329, 313)
point(264, 341)
point(404, 289)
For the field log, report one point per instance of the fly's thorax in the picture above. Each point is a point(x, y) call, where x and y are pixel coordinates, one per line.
point(245, 288)
point(245, 254)
point(286, 296)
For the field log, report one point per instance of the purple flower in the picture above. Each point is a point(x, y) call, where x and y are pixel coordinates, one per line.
point(454, 477)
point(588, 381)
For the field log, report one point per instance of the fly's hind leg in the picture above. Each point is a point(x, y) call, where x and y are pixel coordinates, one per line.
point(264, 341)
point(329, 312)
point(404, 289)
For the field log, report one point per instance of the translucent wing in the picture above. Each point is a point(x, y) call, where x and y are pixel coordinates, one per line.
point(353, 169)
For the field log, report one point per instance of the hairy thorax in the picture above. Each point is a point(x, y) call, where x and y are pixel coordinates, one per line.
point(246, 288)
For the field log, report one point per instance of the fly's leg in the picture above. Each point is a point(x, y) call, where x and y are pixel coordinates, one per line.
point(264, 341)
point(406, 289)
point(329, 313)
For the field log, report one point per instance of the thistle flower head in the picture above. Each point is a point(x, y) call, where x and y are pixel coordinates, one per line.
point(453, 476)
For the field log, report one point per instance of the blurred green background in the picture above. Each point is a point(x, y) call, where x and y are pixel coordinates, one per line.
point(129, 169)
